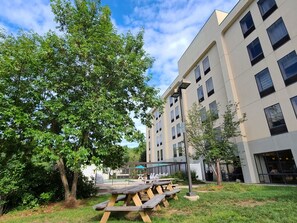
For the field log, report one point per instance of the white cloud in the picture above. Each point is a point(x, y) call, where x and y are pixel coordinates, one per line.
point(28, 15)
point(170, 26)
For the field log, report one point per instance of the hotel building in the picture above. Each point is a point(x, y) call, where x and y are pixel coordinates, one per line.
point(246, 56)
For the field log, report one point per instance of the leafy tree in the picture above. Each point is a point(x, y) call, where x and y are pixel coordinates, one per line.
point(211, 139)
point(70, 95)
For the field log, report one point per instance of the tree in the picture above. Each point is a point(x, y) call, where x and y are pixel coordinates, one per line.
point(70, 95)
point(213, 140)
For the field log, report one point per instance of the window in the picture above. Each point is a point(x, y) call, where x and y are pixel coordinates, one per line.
point(247, 25)
point(149, 145)
point(178, 130)
point(206, 66)
point(288, 68)
point(161, 152)
point(180, 148)
point(267, 7)
point(149, 133)
point(264, 83)
point(214, 109)
point(174, 150)
point(160, 125)
point(158, 155)
point(176, 112)
point(209, 87)
point(197, 74)
point(294, 104)
point(175, 100)
point(170, 101)
point(160, 140)
point(275, 119)
point(255, 51)
point(278, 34)
point(157, 115)
point(203, 114)
point(173, 132)
point(157, 127)
point(172, 116)
point(200, 94)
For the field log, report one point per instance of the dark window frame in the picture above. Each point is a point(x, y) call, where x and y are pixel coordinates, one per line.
point(202, 98)
point(209, 92)
point(266, 14)
point(243, 23)
point(283, 39)
point(279, 129)
point(294, 104)
point(199, 77)
point(268, 90)
point(251, 47)
point(206, 69)
point(293, 78)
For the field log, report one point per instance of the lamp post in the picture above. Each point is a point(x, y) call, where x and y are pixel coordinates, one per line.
point(178, 93)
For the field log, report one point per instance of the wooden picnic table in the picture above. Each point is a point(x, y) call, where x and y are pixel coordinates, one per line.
point(166, 187)
point(132, 202)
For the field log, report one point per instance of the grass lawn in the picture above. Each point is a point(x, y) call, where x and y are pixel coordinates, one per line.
point(230, 203)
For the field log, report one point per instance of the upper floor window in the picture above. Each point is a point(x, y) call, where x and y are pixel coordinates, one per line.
point(160, 140)
point(175, 99)
point(255, 51)
point(161, 153)
point(213, 107)
point(173, 132)
point(197, 74)
point(158, 155)
point(203, 114)
point(170, 101)
point(209, 87)
point(172, 116)
point(288, 68)
point(264, 83)
point(174, 150)
point(149, 145)
point(160, 125)
point(157, 127)
point(247, 24)
point(278, 34)
point(149, 133)
point(178, 130)
point(180, 148)
point(200, 94)
point(267, 7)
point(176, 112)
point(206, 66)
point(294, 104)
point(275, 119)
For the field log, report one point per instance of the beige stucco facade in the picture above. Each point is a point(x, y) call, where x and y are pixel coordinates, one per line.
point(235, 77)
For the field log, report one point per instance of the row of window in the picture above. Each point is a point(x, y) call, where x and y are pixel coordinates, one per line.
point(288, 68)
point(278, 36)
point(160, 155)
point(209, 89)
point(178, 149)
point(159, 126)
point(275, 118)
point(266, 7)
point(171, 101)
point(213, 108)
point(206, 69)
point(178, 131)
point(176, 110)
point(157, 115)
point(159, 140)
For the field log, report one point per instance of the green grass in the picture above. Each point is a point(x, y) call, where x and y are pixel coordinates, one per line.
point(231, 203)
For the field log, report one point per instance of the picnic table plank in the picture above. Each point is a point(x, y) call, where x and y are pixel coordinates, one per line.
point(103, 205)
point(153, 202)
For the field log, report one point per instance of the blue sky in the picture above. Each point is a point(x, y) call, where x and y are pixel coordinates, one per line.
point(170, 26)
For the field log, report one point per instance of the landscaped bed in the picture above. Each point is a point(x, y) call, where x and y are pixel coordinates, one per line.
point(231, 202)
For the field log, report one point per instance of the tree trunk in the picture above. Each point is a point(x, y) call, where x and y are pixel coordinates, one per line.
point(63, 176)
point(219, 174)
point(74, 185)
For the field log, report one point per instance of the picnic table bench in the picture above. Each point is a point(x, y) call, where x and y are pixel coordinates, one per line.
point(166, 187)
point(132, 202)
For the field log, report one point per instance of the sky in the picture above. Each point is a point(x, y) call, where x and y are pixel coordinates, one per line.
point(170, 26)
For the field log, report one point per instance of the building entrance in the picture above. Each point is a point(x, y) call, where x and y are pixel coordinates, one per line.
point(276, 167)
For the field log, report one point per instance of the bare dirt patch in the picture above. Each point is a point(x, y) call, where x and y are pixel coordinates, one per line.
point(252, 203)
